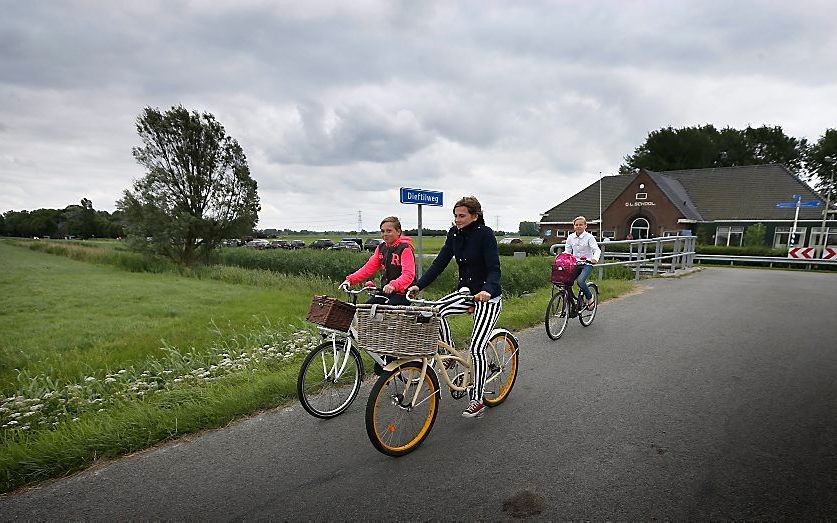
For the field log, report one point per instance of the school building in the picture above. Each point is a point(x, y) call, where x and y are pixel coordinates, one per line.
point(716, 204)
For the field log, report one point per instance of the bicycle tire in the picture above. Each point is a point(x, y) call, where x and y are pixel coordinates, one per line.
point(557, 315)
point(394, 428)
point(585, 316)
point(502, 356)
point(320, 395)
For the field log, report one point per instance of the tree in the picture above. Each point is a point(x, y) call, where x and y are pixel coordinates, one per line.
point(198, 188)
point(755, 234)
point(819, 168)
point(671, 149)
point(81, 219)
point(528, 229)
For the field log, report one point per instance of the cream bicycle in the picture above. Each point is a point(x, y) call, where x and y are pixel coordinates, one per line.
point(404, 401)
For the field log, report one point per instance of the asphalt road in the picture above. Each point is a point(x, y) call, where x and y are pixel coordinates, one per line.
point(712, 396)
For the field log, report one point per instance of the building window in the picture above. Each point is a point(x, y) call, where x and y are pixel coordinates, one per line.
point(780, 237)
point(817, 236)
point(609, 234)
point(641, 195)
point(640, 229)
point(670, 233)
point(560, 234)
point(547, 233)
point(729, 236)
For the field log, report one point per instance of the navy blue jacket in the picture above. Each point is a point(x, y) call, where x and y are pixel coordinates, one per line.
point(476, 253)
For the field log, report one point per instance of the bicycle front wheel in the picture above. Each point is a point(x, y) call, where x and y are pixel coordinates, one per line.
point(586, 316)
point(330, 378)
point(502, 353)
point(557, 315)
point(395, 423)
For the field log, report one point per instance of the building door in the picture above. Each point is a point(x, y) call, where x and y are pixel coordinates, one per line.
point(640, 229)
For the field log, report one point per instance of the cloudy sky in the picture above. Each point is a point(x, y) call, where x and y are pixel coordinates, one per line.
point(338, 104)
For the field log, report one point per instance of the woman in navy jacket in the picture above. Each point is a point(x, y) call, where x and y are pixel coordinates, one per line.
point(473, 245)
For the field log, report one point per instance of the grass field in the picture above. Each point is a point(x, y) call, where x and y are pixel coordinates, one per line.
point(98, 358)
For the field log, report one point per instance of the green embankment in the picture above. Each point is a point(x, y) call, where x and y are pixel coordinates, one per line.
point(99, 357)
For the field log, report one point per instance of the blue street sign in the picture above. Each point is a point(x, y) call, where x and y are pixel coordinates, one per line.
point(421, 197)
point(792, 205)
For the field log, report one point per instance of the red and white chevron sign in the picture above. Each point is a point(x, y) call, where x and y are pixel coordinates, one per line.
point(830, 253)
point(802, 253)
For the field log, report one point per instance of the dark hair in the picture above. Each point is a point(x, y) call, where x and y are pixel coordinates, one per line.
point(393, 220)
point(473, 205)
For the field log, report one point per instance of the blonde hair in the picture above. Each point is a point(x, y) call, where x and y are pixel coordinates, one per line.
point(394, 221)
point(582, 218)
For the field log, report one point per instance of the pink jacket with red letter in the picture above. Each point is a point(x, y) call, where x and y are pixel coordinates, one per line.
point(398, 263)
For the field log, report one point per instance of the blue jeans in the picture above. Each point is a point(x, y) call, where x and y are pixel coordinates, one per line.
point(586, 269)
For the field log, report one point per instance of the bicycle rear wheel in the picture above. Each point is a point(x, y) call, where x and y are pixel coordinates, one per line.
point(586, 316)
point(501, 353)
point(329, 379)
point(557, 315)
point(394, 426)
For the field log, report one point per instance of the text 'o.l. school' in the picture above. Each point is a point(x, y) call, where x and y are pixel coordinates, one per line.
point(716, 204)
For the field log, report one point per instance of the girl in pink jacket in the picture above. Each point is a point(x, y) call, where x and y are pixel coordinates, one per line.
point(395, 257)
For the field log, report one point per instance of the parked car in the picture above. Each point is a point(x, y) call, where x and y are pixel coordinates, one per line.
point(372, 243)
point(358, 241)
point(258, 244)
point(280, 244)
point(323, 243)
point(297, 244)
point(345, 245)
point(536, 241)
point(508, 241)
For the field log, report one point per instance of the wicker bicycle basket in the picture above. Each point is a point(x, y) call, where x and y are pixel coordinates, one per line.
point(331, 313)
point(403, 332)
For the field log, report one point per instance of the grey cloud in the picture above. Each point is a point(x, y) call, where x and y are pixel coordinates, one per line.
point(357, 134)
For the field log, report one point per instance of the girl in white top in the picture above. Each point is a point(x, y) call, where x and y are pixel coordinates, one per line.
point(583, 246)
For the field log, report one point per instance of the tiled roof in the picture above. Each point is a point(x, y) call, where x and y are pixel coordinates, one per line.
point(675, 192)
point(715, 194)
point(745, 193)
point(586, 202)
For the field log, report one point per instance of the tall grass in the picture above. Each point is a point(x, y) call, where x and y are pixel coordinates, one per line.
point(122, 351)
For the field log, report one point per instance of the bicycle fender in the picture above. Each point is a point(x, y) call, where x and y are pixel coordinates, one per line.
point(507, 333)
point(391, 366)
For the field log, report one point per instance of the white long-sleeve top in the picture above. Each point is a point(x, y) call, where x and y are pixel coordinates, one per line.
point(583, 246)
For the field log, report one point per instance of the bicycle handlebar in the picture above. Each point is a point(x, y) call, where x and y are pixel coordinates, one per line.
point(464, 292)
point(369, 289)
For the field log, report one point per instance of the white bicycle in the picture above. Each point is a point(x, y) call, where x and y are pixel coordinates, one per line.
point(331, 374)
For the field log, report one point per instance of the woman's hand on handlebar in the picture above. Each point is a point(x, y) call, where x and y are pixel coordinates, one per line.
point(482, 296)
point(388, 289)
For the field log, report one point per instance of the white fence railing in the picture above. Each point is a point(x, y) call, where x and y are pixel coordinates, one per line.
point(647, 256)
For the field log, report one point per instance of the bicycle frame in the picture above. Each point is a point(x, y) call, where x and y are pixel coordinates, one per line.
point(463, 357)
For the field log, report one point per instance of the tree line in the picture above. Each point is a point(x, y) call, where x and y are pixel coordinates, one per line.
point(77, 221)
point(671, 149)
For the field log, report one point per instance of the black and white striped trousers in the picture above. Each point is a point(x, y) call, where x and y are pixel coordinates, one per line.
point(485, 318)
